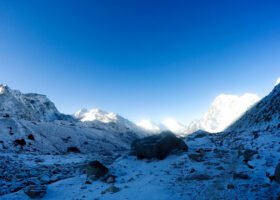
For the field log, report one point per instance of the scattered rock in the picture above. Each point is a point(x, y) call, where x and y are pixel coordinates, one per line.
point(199, 177)
point(35, 191)
point(20, 142)
point(240, 176)
point(112, 189)
point(30, 137)
point(248, 154)
point(95, 169)
point(157, 146)
point(111, 179)
point(73, 150)
point(230, 186)
point(88, 182)
point(198, 157)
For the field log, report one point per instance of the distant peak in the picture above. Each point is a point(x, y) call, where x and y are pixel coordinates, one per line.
point(4, 88)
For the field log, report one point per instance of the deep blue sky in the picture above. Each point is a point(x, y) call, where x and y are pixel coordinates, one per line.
point(142, 59)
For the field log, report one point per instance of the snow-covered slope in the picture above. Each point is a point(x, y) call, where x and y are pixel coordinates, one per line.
point(264, 115)
point(224, 110)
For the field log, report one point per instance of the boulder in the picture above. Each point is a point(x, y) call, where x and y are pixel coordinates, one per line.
point(96, 169)
point(241, 175)
point(196, 157)
point(248, 154)
point(35, 191)
point(73, 150)
point(112, 189)
point(157, 146)
point(20, 142)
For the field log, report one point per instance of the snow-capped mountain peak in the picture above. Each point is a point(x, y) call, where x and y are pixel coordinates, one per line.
point(109, 121)
point(96, 114)
point(3, 88)
point(277, 81)
point(224, 110)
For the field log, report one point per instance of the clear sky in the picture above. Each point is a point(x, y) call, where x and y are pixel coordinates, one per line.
point(140, 58)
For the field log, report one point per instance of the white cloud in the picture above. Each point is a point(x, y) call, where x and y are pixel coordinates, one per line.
point(174, 126)
point(148, 125)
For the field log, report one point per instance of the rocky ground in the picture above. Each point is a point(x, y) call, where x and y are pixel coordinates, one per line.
point(210, 169)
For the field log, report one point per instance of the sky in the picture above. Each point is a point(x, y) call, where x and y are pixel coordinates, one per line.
point(140, 58)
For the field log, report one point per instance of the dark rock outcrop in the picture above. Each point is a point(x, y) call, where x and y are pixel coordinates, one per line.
point(157, 146)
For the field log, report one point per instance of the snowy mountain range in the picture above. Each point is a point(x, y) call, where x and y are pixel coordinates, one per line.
point(35, 113)
point(224, 110)
point(240, 163)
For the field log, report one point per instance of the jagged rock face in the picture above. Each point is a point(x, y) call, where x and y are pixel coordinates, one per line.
point(264, 115)
point(31, 106)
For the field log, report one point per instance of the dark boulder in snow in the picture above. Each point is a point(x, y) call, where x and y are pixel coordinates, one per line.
point(248, 154)
point(73, 150)
point(157, 146)
point(31, 137)
point(198, 157)
point(20, 142)
point(35, 191)
point(96, 170)
point(112, 189)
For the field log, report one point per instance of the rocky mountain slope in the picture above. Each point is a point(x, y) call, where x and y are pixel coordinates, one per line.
point(31, 123)
point(32, 107)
